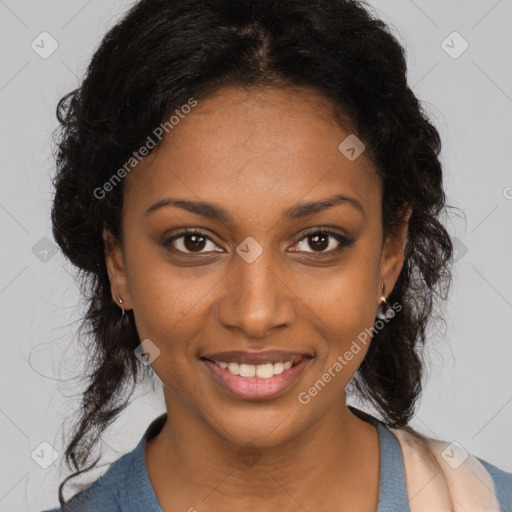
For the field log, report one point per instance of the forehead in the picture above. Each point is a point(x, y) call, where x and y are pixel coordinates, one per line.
point(255, 150)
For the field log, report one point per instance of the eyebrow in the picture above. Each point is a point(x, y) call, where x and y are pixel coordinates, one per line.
point(298, 211)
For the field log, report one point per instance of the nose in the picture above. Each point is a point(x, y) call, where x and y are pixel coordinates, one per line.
point(255, 297)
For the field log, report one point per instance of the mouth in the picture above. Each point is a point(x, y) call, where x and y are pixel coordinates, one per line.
point(256, 375)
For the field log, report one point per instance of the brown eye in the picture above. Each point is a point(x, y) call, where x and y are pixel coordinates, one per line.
point(189, 242)
point(321, 240)
point(194, 242)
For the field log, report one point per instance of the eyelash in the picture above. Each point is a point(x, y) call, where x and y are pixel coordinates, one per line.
point(343, 240)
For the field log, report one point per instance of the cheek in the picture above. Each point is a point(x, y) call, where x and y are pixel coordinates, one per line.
point(166, 300)
point(344, 306)
point(167, 312)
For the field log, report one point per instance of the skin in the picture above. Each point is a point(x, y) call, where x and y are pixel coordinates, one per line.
point(256, 153)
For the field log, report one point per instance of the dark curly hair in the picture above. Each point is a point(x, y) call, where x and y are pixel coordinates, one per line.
point(162, 53)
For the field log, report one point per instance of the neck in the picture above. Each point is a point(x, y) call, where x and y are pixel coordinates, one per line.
point(337, 457)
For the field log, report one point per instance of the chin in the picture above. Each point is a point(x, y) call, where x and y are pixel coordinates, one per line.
point(263, 427)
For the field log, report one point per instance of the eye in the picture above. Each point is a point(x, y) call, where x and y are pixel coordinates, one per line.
point(190, 241)
point(321, 239)
point(194, 241)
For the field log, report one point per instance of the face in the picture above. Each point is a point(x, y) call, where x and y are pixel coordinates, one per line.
point(259, 275)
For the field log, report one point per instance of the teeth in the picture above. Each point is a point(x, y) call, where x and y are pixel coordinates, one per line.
point(247, 370)
point(234, 368)
point(263, 371)
point(278, 368)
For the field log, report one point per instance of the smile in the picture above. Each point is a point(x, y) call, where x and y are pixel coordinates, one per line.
point(262, 371)
point(256, 381)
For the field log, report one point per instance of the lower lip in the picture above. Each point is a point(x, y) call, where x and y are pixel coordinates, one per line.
point(255, 388)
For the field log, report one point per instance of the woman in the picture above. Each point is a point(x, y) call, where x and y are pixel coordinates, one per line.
point(253, 194)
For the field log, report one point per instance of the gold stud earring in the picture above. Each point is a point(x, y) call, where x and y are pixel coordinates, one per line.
point(121, 302)
point(384, 311)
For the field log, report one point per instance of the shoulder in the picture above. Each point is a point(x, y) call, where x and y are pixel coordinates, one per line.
point(124, 486)
point(502, 484)
point(472, 483)
point(107, 492)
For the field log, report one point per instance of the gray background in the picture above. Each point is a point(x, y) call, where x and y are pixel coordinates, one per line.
point(468, 397)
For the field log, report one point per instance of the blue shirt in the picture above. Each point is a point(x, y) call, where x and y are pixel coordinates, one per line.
point(126, 487)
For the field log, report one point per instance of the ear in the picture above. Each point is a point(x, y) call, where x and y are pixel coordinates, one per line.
point(114, 260)
point(392, 259)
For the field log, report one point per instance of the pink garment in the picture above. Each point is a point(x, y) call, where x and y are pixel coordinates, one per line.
point(444, 487)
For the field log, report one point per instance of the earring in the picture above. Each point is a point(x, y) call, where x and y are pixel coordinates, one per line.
point(121, 301)
point(384, 311)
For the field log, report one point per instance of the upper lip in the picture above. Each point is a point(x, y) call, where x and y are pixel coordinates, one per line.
point(268, 356)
